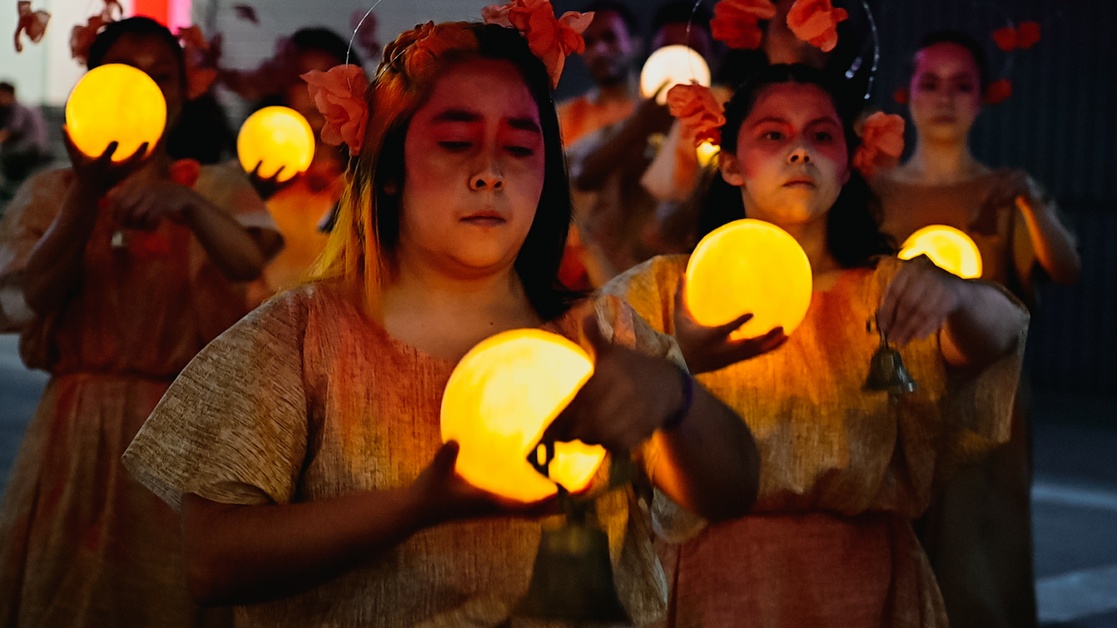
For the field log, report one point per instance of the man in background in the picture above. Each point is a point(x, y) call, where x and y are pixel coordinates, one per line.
point(24, 144)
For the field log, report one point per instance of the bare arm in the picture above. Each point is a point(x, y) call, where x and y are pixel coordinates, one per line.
point(1053, 243)
point(617, 147)
point(54, 266)
point(244, 554)
point(976, 322)
point(142, 205)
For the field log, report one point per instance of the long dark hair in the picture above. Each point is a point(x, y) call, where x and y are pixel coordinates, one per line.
point(363, 244)
point(853, 232)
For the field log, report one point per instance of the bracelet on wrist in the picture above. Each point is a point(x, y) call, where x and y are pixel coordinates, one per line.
point(679, 415)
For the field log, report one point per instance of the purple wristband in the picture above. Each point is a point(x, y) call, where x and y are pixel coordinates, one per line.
point(676, 419)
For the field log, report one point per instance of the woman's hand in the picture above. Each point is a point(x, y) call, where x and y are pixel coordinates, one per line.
point(1013, 188)
point(708, 349)
point(101, 174)
point(267, 187)
point(446, 496)
point(145, 204)
point(629, 396)
point(918, 301)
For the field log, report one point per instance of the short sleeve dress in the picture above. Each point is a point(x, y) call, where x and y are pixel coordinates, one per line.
point(843, 471)
point(307, 399)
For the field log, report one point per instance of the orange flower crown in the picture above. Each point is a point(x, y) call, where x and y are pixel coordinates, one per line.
point(736, 23)
point(340, 93)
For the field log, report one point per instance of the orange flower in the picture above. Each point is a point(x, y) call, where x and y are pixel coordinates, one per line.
point(81, 37)
point(1023, 37)
point(737, 22)
point(1027, 35)
point(998, 91)
point(339, 94)
point(699, 112)
point(31, 23)
point(816, 22)
point(882, 143)
point(195, 50)
point(551, 39)
point(185, 171)
point(416, 51)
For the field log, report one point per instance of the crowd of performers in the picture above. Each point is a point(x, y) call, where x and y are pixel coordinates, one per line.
point(242, 420)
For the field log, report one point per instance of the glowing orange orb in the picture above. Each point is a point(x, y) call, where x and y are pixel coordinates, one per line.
point(671, 65)
point(749, 266)
point(949, 248)
point(280, 137)
point(499, 400)
point(115, 103)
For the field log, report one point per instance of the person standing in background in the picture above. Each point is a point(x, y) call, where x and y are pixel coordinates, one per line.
point(24, 144)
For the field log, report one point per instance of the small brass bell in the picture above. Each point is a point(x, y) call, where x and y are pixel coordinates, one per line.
point(887, 372)
point(572, 579)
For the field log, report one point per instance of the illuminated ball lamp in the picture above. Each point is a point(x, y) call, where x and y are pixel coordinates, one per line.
point(115, 103)
point(749, 266)
point(671, 65)
point(949, 248)
point(276, 137)
point(499, 400)
point(707, 153)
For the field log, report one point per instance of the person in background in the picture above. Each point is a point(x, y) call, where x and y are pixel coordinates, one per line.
point(612, 44)
point(844, 470)
point(24, 144)
point(612, 209)
point(978, 532)
point(128, 269)
point(301, 205)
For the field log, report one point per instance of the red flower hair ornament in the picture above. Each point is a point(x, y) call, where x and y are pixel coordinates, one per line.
point(1020, 38)
point(882, 143)
point(736, 23)
point(700, 114)
point(339, 93)
point(997, 92)
point(816, 22)
point(31, 23)
point(549, 38)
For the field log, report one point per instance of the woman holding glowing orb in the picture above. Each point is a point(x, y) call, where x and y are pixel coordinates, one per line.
point(836, 492)
point(304, 447)
point(978, 535)
point(129, 263)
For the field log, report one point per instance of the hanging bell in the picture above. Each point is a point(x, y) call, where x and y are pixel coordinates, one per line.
point(887, 372)
point(572, 578)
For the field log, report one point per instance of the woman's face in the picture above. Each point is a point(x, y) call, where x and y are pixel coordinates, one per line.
point(945, 92)
point(474, 170)
point(151, 55)
point(791, 160)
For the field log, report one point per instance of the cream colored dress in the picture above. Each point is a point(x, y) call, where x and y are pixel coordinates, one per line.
point(82, 543)
point(842, 471)
point(306, 399)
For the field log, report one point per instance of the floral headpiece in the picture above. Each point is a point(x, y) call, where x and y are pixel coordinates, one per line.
point(81, 37)
point(200, 72)
point(737, 22)
point(882, 143)
point(339, 93)
point(551, 39)
point(31, 23)
point(698, 111)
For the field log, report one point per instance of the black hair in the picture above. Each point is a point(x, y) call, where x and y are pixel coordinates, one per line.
point(139, 27)
point(621, 9)
point(7, 87)
point(853, 233)
point(325, 40)
point(682, 11)
point(981, 59)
